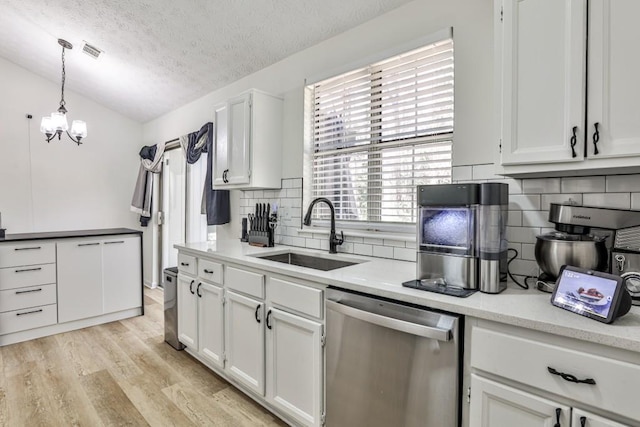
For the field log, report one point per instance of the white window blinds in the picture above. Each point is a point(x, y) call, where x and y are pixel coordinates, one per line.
point(380, 131)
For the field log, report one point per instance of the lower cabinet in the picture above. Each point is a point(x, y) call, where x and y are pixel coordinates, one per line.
point(494, 404)
point(294, 366)
point(580, 418)
point(244, 340)
point(200, 321)
point(98, 276)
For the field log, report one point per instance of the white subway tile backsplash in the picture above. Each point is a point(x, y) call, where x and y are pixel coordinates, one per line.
point(372, 241)
point(461, 173)
point(383, 251)
point(346, 248)
point(313, 243)
point(287, 183)
point(622, 183)
point(294, 193)
point(515, 185)
point(483, 172)
point(609, 200)
point(536, 219)
point(361, 249)
point(528, 251)
point(404, 254)
point(298, 241)
point(539, 186)
point(547, 199)
point(524, 202)
point(635, 201)
point(514, 219)
point(524, 267)
point(583, 184)
point(394, 243)
point(522, 234)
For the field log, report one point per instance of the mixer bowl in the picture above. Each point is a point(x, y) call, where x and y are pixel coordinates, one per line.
point(553, 250)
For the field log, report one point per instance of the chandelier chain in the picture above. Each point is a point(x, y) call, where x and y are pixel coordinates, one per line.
point(62, 101)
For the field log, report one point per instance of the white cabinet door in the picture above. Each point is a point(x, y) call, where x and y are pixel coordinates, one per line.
point(294, 366)
point(244, 340)
point(79, 280)
point(210, 323)
point(542, 57)
point(121, 276)
point(496, 405)
point(580, 418)
point(239, 136)
point(187, 312)
point(220, 145)
point(614, 67)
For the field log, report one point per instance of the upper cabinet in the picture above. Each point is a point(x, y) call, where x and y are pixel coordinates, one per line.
point(560, 114)
point(248, 142)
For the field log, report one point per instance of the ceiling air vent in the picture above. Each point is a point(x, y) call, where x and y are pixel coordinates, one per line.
point(92, 51)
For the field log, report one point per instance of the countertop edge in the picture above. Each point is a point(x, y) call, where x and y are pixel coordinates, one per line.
point(49, 235)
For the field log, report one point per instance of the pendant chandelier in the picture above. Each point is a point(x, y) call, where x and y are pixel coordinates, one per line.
point(57, 122)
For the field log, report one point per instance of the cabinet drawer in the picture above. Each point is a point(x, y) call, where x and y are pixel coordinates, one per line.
point(16, 299)
point(29, 318)
point(31, 275)
point(297, 297)
point(527, 361)
point(245, 281)
point(187, 264)
point(210, 271)
point(28, 253)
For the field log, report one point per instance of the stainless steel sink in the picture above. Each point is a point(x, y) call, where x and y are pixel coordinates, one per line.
point(309, 261)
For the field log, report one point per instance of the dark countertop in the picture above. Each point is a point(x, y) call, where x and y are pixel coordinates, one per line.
point(68, 234)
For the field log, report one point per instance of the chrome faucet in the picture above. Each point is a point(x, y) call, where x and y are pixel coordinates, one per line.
point(334, 241)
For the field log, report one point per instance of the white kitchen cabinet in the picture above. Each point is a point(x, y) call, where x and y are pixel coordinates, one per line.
point(121, 269)
point(211, 323)
point(546, 88)
point(244, 340)
point(580, 418)
point(248, 142)
point(496, 405)
point(294, 366)
point(187, 311)
point(80, 294)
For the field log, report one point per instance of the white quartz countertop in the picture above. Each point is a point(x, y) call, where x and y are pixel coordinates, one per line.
point(383, 277)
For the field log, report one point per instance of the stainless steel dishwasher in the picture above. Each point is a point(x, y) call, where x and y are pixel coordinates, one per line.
point(390, 364)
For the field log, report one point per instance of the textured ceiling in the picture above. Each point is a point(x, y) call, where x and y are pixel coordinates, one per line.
point(161, 54)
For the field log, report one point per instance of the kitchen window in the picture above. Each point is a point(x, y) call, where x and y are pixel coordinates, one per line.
point(379, 131)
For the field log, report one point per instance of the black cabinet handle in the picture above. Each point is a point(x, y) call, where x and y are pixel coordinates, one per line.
point(208, 271)
point(596, 138)
point(571, 378)
point(184, 264)
point(583, 421)
point(114, 242)
point(573, 141)
point(89, 244)
point(558, 412)
point(191, 287)
point(28, 249)
point(29, 291)
point(28, 269)
point(198, 290)
point(256, 314)
point(29, 312)
point(268, 317)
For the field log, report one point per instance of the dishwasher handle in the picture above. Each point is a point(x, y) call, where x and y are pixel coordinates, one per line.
point(391, 323)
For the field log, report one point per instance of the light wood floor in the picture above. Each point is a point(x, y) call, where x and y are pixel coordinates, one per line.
point(121, 373)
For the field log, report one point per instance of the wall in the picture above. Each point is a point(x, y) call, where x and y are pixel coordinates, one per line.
point(473, 37)
point(62, 186)
point(529, 201)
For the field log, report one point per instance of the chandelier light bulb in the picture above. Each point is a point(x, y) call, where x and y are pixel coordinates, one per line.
point(79, 129)
point(46, 126)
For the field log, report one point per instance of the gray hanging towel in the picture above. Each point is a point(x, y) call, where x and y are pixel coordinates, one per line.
point(150, 163)
point(215, 203)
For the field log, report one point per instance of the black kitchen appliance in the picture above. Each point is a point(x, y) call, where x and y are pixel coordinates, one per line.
point(462, 238)
point(614, 235)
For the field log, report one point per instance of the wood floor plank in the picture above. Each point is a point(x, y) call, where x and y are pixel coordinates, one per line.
point(110, 401)
point(110, 354)
point(245, 409)
point(201, 410)
point(80, 356)
point(27, 399)
point(4, 410)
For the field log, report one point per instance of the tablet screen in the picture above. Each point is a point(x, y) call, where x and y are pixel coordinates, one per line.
point(585, 293)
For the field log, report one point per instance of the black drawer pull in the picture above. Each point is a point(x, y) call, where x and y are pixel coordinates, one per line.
point(571, 378)
point(28, 249)
point(28, 269)
point(208, 271)
point(558, 412)
point(115, 241)
point(88, 244)
point(29, 312)
point(29, 291)
point(198, 290)
point(184, 264)
point(268, 318)
point(256, 313)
